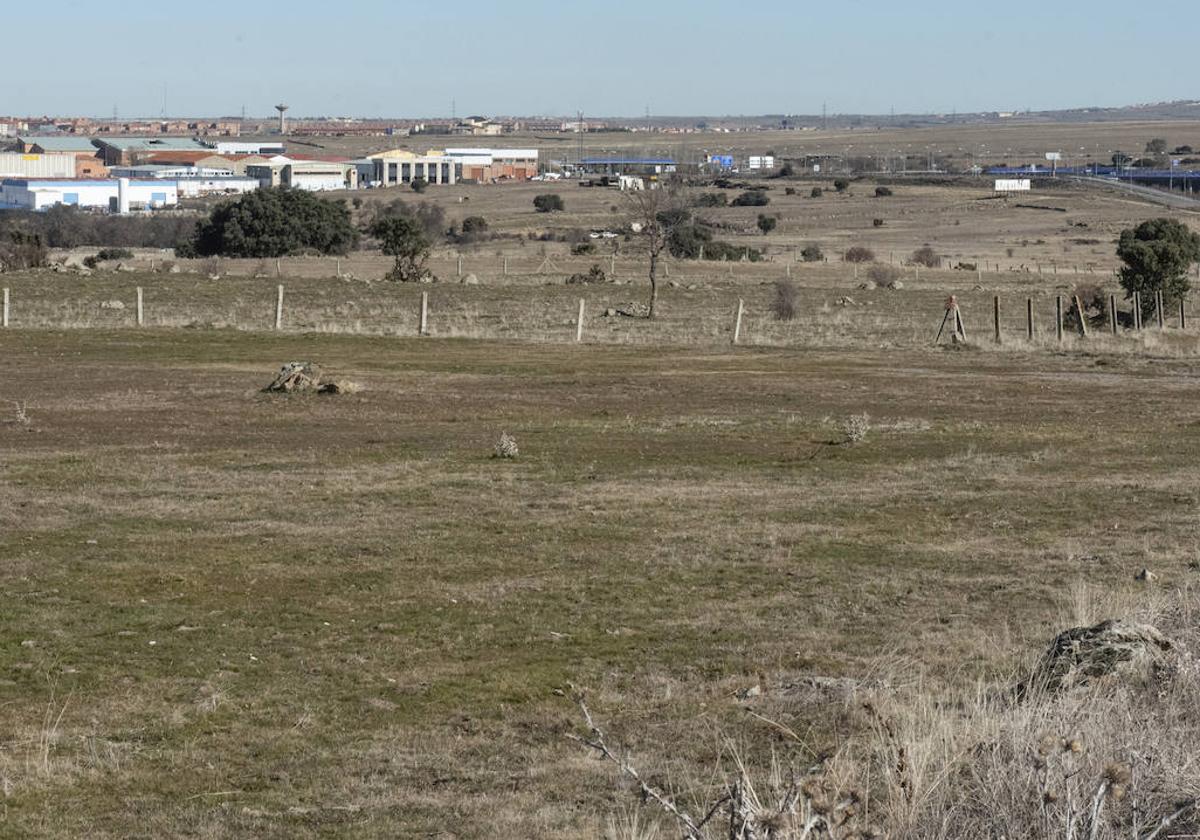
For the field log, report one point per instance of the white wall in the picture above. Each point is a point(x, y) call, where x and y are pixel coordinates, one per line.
point(41, 195)
point(19, 165)
point(189, 187)
point(318, 181)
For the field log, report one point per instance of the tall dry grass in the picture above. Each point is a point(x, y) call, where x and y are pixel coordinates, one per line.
point(1117, 759)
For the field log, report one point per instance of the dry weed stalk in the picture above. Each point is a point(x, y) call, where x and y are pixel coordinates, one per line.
point(21, 413)
point(1112, 758)
point(802, 806)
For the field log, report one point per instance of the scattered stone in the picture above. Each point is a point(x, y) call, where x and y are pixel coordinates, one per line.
point(125, 268)
point(747, 693)
point(174, 270)
point(610, 312)
point(868, 286)
point(845, 301)
point(896, 285)
point(112, 304)
point(1145, 576)
point(634, 310)
point(1081, 655)
point(470, 280)
point(296, 376)
point(340, 386)
point(978, 287)
point(28, 643)
point(214, 277)
point(673, 284)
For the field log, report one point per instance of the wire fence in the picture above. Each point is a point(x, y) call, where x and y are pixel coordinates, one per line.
point(692, 309)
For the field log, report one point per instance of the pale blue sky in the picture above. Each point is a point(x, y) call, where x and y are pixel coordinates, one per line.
point(614, 58)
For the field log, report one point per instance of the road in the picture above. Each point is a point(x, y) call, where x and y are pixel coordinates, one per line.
point(1174, 200)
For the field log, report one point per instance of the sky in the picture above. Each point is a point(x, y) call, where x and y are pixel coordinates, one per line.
point(617, 58)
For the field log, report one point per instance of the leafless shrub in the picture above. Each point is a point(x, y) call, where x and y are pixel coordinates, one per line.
point(855, 428)
point(883, 275)
point(784, 304)
point(859, 254)
point(926, 256)
point(506, 447)
point(21, 413)
point(210, 266)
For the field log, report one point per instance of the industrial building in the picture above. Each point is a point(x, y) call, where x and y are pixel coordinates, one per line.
point(490, 165)
point(198, 185)
point(128, 151)
point(121, 195)
point(267, 148)
point(403, 167)
point(311, 175)
point(28, 165)
point(57, 145)
point(450, 166)
point(163, 172)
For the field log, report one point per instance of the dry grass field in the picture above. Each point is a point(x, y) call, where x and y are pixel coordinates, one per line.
point(988, 144)
point(235, 614)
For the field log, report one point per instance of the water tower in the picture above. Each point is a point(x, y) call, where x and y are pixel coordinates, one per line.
point(282, 109)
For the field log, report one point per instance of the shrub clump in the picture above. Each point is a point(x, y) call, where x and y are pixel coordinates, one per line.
point(752, 198)
point(784, 304)
point(858, 254)
point(548, 203)
point(855, 428)
point(594, 275)
point(506, 447)
point(812, 253)
point(926, 256)
point(273, 222)
point(883, 275)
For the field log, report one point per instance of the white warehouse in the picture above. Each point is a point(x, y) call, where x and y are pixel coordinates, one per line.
point(114, 195)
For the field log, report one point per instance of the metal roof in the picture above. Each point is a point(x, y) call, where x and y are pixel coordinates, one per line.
point(61, 144)
point(161, 144)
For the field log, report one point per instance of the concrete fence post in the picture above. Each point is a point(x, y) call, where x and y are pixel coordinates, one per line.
point(1158, 310)
point(1182, 315)
point(737, 324)
point(279, 309)
point(1058, 317)
point(4, 319)
point(1029, 318)
point(996, 316)
point(460, 265)
point(141, 320)
point(423, 329)
point(579, 322)
point(1112, 313)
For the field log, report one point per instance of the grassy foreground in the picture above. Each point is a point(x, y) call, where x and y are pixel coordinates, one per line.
point(233, 614)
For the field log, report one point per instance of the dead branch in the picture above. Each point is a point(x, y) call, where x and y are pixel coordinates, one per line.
point(598, 743)
point(1170, 819)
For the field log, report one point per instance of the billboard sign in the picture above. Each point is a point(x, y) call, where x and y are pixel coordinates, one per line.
point(1054, 156)
point(722, 161)
point(1006, 185)
point(762, 162)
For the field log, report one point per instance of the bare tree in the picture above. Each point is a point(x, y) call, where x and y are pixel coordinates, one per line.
point(654, 213)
